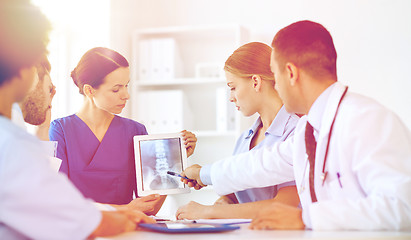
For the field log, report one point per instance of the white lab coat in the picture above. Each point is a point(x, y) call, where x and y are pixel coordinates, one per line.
point(17, 116)
point(371, 150)
point(50, 147)
point(35, 202)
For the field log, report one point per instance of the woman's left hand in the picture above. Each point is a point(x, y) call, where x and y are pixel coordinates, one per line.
point(150, 204)
point(193, 210)
point(190, 141)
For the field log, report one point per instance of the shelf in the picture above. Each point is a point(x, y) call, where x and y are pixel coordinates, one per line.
point(181, 81)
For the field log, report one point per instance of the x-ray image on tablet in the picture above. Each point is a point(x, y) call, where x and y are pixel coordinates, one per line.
point(155, 155)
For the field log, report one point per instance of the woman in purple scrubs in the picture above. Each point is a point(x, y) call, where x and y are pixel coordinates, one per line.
point(96, 145)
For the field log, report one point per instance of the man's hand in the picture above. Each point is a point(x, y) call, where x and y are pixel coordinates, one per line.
point(116, 222)
point(150, 204)
point(193, 210)
point(193, 173)
point(278, 216)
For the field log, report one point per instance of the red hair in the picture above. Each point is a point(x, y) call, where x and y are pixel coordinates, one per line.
point(95, 65)
point(251, 59)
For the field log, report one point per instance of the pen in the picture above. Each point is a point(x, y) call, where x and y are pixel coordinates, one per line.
point(339, 181)
point(176, 174)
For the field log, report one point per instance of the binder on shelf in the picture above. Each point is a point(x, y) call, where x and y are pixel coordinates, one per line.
point(209, 70)
point(159, 60)
point(221, 109)
point(163, 111)
point(225, 110)
point(170, 62)
point(231, 115)
point(155, 57)
point(144, 60)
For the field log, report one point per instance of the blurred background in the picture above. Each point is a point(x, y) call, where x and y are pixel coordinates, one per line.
point(372, 38)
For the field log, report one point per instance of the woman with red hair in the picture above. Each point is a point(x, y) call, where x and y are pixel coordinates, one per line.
point(251, 83)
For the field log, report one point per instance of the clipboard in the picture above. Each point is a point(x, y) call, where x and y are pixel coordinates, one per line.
point(178, 227)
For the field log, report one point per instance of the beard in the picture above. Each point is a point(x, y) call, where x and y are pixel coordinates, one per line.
point(35, 107)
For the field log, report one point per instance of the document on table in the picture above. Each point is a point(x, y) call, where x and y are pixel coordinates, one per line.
point(205, 221)
point(223, 221)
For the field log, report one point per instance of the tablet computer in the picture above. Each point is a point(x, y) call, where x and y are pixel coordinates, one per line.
point(176, 227)
point(155, 156)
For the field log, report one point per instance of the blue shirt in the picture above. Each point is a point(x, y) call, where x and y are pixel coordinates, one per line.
point(280, 129)
point(104, 171)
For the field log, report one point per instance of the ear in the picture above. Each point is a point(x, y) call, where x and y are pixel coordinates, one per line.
point(88, 90)
point(29, 74)
point(28, 79)
point(257, 82)
point(293, 73)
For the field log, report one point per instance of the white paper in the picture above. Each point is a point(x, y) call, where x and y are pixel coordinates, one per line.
point(223, 221)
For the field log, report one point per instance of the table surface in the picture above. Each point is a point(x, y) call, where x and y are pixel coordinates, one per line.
point(247, 234)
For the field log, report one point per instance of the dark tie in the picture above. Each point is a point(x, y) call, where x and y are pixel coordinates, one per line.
point(310, 146)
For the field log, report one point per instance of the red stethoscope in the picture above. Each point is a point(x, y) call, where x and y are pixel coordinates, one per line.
point(325, 173)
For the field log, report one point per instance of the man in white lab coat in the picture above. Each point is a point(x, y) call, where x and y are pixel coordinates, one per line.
point(35, 202)
point(360, 151)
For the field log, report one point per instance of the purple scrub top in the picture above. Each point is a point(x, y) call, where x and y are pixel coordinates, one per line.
point(103, 171)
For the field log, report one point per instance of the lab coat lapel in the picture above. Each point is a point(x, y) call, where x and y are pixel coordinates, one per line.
point(327, 118)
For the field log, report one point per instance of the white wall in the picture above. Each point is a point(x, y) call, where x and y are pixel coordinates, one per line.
point(373, 37)
point(71, 36)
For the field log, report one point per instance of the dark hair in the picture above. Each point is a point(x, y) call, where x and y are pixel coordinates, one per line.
point(250, 59)
point(309, 46)
point(24, 36)
point(95, 65)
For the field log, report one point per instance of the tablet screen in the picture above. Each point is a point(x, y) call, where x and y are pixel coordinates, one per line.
point(157, 157)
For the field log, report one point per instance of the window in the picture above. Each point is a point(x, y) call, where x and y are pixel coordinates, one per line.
point(78, 26)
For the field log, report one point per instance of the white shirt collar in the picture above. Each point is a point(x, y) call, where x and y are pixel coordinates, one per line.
point(316, 112)
point(17, 116)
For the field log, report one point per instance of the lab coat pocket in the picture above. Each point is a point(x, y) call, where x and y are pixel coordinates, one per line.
point(344, 187)
point(335, 187)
